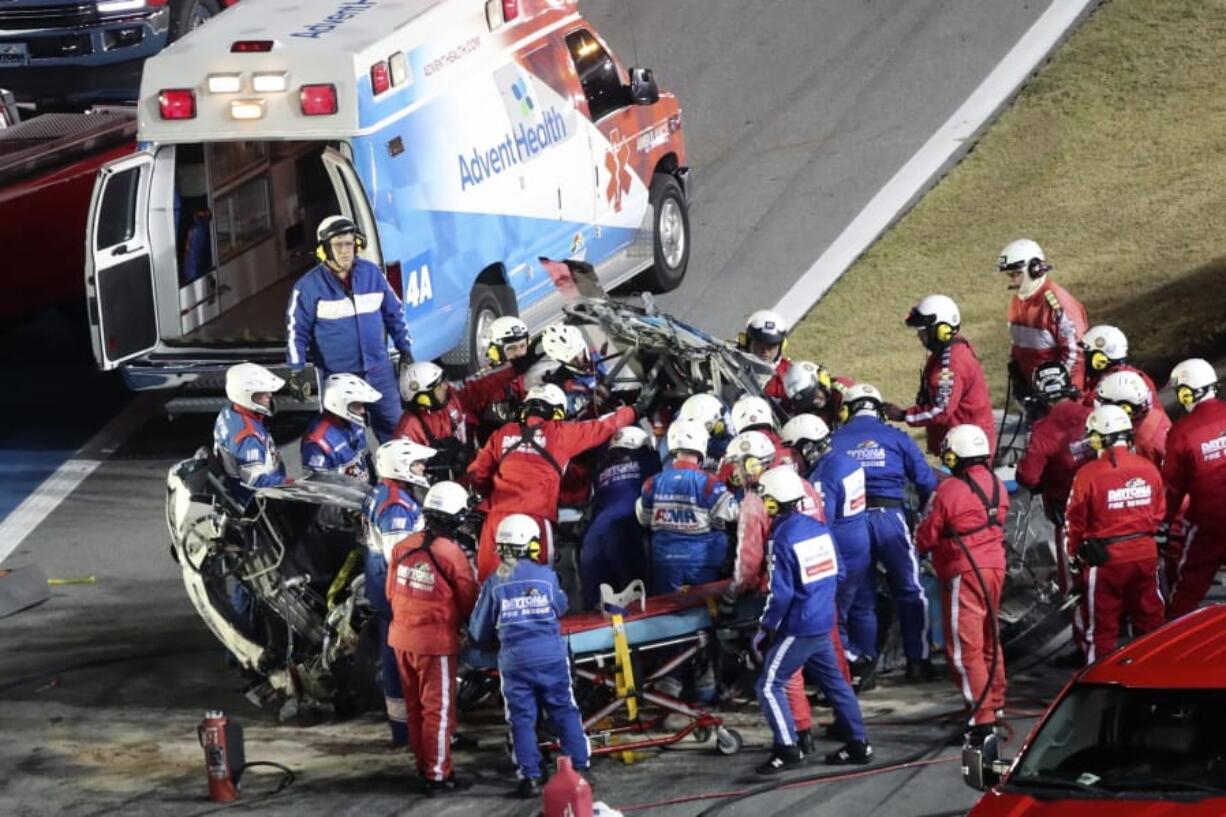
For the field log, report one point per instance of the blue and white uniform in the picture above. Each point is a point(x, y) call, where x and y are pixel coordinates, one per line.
point(841, 480)
point(613, 543)
point(334, 445)
point(804, 574)
point(247, 451)
point(686, 509)
point(890, 460)
point(519, 607)
point(343, 328)
point(390, 514)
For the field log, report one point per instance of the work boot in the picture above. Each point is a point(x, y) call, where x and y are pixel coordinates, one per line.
point(434, 787)
point(836, 731)
point(805, 742)
point(781, 759)
point(857, 752)
point(920, 671)
point(864, 674)
point(528, 788)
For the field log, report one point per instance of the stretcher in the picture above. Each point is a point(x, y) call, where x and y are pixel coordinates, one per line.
point(610, 650)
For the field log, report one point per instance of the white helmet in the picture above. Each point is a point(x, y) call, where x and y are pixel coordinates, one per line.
point(546, 400)
point(965, 442)
point(417, 382)
point(750, 444)
point(1193, 380)
point(446, 497)
point(563, 343)
point(630, 437)
point(706, 409)
point(765, 327)
point(1127, 390)
point(688, 435)
point(342, 390)
point(752, 412)
point(939, 314)
point(782, 485)
point(518, 536)
point(1024, 255)
point(245, 380)
point(805, 428)
point(807, 382)
point(858, 397)
point(502, 331)
point(1104, 345)
point(1107, 426)
point(395, 458)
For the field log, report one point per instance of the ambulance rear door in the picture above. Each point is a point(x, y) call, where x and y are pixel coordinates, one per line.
point(353, 200)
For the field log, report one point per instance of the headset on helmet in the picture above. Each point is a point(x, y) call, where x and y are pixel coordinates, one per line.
point(566, 344)
point(518, 537)
point(245, 380)
point(1107, 426)
point(1126, 389)
point(780, 488)
point(545, 400)
point(688, 435)
point(752, 412)
point(965, 445)
point(1194, 380)
point(342, 390)
point(807, 383)
point(395, 460)
point(1052, 382)
point(753, 451)
point(808, 434)
point(939, 315)
point(630, 437)
point(501, 333)
point(1104, 347)
point(330, 228)
point(417, 384)
point(856, 397)
point(765, 327)
point(706, 409)
point(1024, 254)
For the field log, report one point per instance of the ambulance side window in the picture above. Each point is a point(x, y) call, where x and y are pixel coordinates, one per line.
point(117, 215)
point(597, 74)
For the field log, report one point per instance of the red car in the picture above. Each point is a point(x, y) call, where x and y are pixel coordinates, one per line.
point(1141, 732)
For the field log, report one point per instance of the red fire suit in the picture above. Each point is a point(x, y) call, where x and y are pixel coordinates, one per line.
point(1046, 327)
point(977, 517)
point(1195, 471)
point(1151, 434)
point(461, 415)
point(774, 386)
point(1118, 499)
point(521, 473)
point(1092, 378)
point(432, 590)
point(953, 391)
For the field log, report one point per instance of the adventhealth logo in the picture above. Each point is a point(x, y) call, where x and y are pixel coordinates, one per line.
point(519, 90)
point(522, 143)
point(344, 11)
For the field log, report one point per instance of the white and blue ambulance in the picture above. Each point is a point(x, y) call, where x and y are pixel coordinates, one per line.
point(466, 138)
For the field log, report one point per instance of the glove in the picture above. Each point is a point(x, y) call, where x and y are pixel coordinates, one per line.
point(760, 644)
point(647, 399)
point(299, 388)
point(726, 606)
point(406, 360)
point(893, 413)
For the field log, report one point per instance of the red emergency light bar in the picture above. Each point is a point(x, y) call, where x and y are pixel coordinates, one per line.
point(177, 103)
point(318, 100)
point(250, 46)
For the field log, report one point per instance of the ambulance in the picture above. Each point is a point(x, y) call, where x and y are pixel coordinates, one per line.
point(468, 139)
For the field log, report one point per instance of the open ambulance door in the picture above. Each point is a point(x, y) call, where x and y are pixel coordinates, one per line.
point(353, 202)
point(118, 269)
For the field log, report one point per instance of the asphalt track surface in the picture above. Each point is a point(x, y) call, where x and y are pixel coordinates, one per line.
point(795, 114)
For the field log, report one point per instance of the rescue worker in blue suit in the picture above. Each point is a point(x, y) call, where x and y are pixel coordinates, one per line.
point(794, 630)
point(841, 482)
point(340, 316)
point(612, 550)
point(391, 512)
point(686, 509)
point(335, 441)
point(519, 609)
point(241, 442)
point(890, 460)
point(709, 410)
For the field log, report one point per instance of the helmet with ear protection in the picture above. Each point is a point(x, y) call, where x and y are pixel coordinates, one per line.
point(564, 343)
point(1107, 426)
point(765, 327)
point(807, 383)
point(417, 383)
point(706, 409)
point(809, 435)
point(343, 390)
point(939, 315)
point(688, 435)
point(1025, 255)
point(751, 412)
point(330, 228)
point(1124, 389)
point(518, 537)
point(1104, 346)
point(963, 445)
point(501, 332)
point(780, 488)
point(752, 450)
point(860, 397)
point(1052, 382)
point(545, 400)
point(1194, 380)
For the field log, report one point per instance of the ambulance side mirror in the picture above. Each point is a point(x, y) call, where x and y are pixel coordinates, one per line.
point(643, 88)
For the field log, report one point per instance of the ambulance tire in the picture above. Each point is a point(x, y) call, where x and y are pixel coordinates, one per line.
point(671, 234)
point(188, 14)
point(485, 303)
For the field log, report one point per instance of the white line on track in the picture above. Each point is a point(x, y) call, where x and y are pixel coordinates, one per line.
point(64, 480)
point(937, 155)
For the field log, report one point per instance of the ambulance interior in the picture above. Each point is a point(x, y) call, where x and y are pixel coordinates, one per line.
point(244, 216)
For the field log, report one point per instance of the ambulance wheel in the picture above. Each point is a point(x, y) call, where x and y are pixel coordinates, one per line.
point(671, 237)
point(485, 304)
point(189, 14)
point(728, 741)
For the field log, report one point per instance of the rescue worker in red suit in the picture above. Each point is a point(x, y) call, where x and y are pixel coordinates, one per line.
point(578, 374)
point(1114, 510)
point(1055, 451)
point(445, 415)
point(1045, 322)
point(766, 338)
point(809, 389)
point(1150, 428)
point(432, 590)
point(965, 534)
point(506, 341)
point(953, 389)
point(1106, 351)
point(519, 469)
point(1195, 471)
point(752, 413)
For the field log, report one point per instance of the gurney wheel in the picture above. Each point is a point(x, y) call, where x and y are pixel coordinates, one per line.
point(728, 741)
point(702, 734)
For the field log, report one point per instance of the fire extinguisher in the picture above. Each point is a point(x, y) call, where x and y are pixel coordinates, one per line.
point(222, 740)
point(567, 794)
